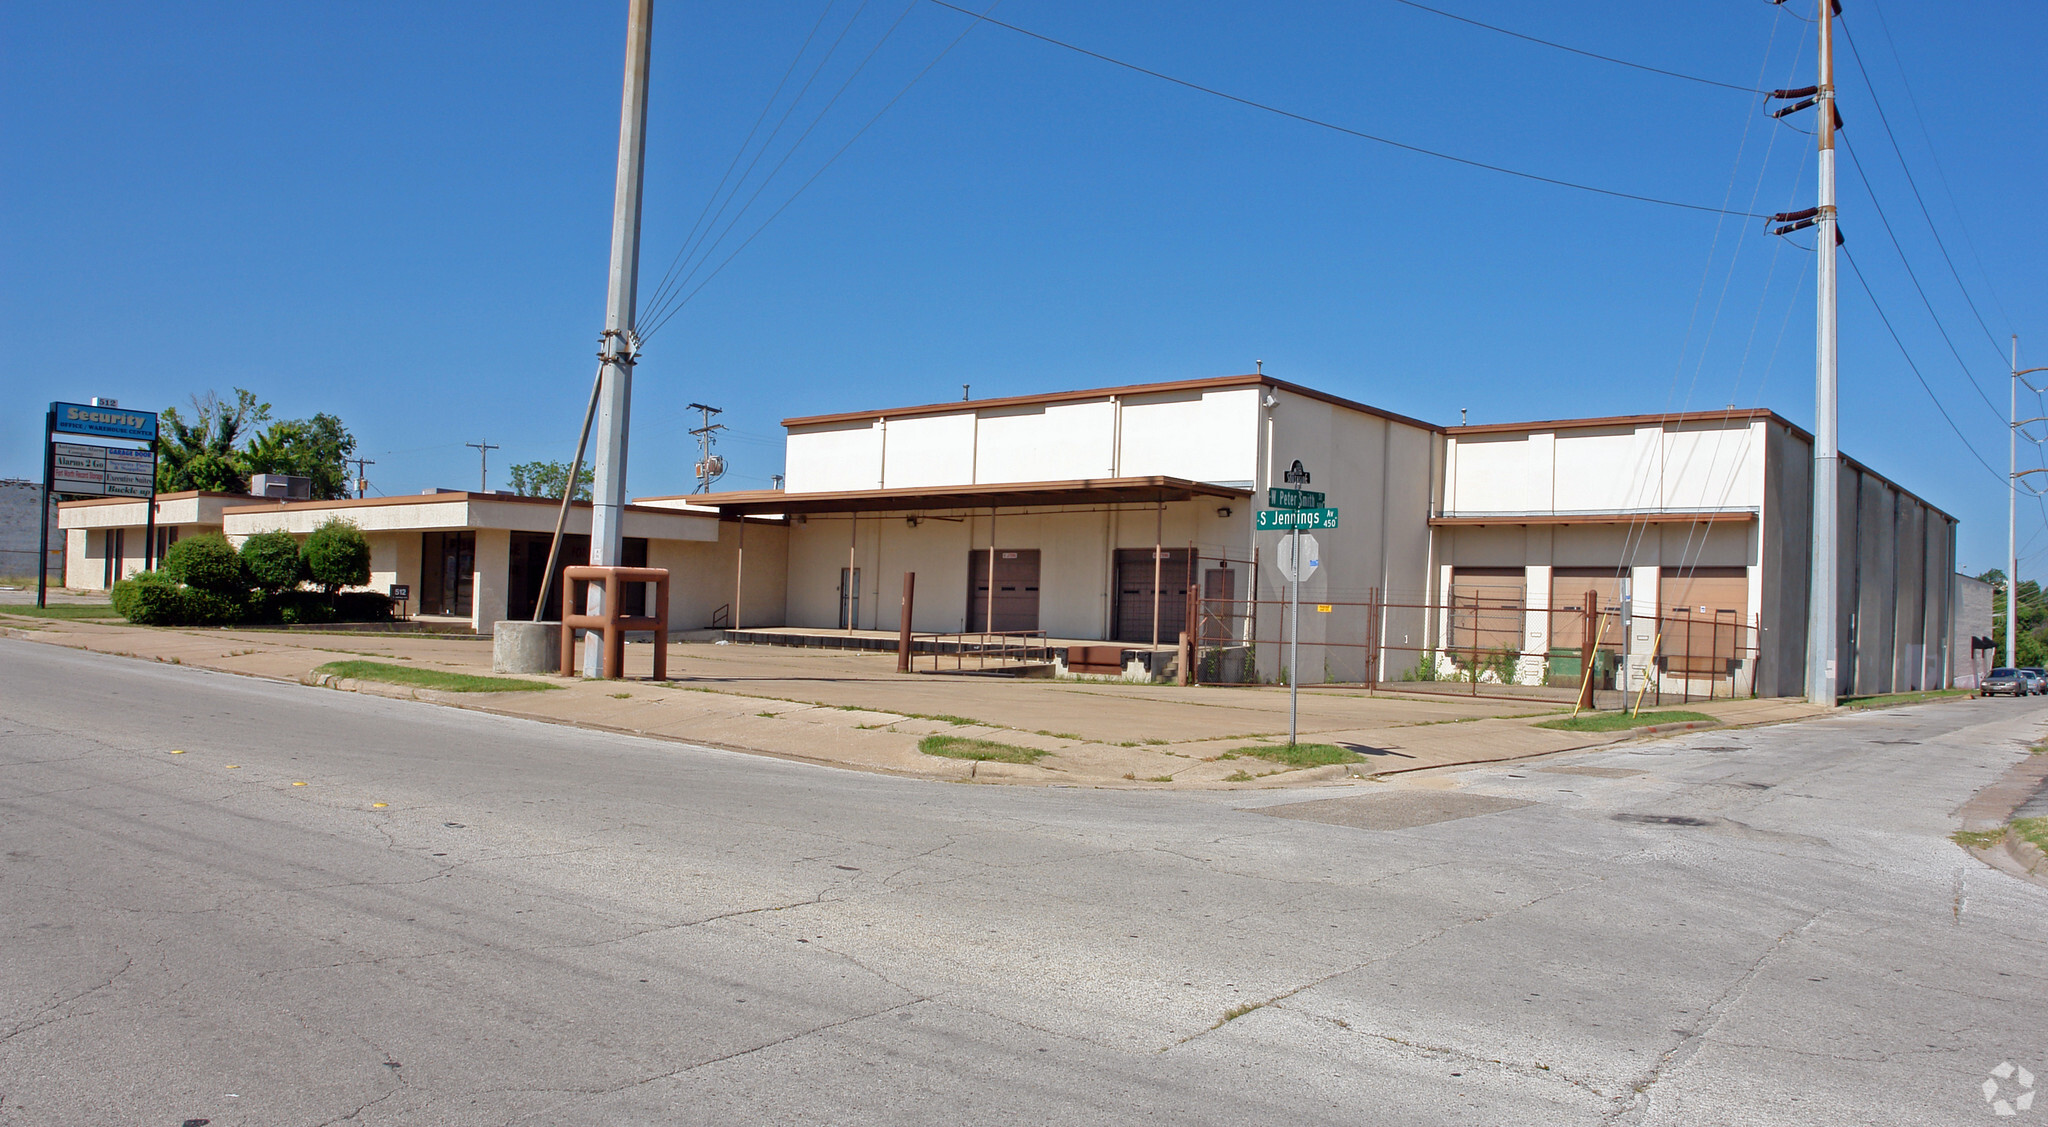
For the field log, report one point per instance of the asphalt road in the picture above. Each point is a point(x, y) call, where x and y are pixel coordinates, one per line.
point(542, 925)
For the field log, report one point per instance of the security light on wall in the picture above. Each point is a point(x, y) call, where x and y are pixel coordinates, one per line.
point(1224, 511)
point(911, 521)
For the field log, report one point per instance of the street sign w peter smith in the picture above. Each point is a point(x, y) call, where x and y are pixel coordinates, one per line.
point(1282, 498)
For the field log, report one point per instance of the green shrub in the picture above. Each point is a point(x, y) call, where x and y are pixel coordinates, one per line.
point(272, 561)
point(149, 598)
point(362, 606)
point(337, 555)
point(215, 608)
point(206, 562)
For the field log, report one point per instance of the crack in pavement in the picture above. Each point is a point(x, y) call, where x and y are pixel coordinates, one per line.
point(1691, 1042)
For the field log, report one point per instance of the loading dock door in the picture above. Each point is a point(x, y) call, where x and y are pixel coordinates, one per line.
point(1016, 606)
point(1134, 594)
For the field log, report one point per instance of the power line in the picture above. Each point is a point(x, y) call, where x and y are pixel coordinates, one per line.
point(677, 306)
point(2002, 480)
point(1917, 288)
point(792, 150)
point(1579, 51)
point(1346, 130)
point(689, 240)
point(1903, 167)
point(1939, 172)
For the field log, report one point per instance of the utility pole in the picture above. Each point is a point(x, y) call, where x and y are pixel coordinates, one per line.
point(2012, 499)
point(710, 466)
point(1821, 680)
point(483, 449)
point(1823, 595)
point(362, 482)
point(620, 342)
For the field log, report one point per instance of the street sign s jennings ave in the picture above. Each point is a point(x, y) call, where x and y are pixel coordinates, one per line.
point(1271, 519)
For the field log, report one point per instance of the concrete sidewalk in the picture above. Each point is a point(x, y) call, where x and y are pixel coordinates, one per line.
point(853, 709)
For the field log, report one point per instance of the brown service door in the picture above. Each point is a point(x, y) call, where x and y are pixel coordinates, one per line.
point(1134, 594)
point(1016, 581)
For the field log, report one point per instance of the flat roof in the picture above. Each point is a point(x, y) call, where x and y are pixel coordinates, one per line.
point(1146, 490)
point(1743, 414)
point(259, 504)
point(181, 495)
point(1249, 379)
point(1619, 516)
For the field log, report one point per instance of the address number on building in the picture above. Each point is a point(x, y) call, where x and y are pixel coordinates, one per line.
point(1271, 519)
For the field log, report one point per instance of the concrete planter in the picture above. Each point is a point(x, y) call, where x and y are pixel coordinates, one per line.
point(526, 647)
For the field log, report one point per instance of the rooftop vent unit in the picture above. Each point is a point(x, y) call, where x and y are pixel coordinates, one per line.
point(281, 487)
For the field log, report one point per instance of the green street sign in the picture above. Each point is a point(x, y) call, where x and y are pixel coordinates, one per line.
point(1281, 498)
point(1272, 519)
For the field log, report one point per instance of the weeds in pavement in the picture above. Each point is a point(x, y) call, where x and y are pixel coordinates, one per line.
point(1239, 776)
point(1235, 1012)
point(961, 747)
point(1978, 839)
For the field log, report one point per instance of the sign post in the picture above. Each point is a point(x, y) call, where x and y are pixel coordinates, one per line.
point(1297, 475)
point(96, 471)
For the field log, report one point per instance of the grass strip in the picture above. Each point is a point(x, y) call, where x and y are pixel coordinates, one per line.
point(430, 678)
point(64, 610)
point(2034, 830)
point(1893, 700)
point(962, 747)
point(1297, 755)
point(1621, 721)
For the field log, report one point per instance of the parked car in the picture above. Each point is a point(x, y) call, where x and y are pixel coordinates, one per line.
point(2039, 675)
point(2005, 682)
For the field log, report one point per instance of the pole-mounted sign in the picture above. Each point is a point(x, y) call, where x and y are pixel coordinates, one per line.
point(82, 470)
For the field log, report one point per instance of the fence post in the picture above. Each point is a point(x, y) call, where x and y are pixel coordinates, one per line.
point(1372, 640)
point(1586, 648)
point(903, 623)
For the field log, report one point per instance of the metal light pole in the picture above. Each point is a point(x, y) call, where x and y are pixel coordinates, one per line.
point(2012, 498)
point(615, 382)
point(1821, 682)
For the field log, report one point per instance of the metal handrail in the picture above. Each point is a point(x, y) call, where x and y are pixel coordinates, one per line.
point(1005, 647)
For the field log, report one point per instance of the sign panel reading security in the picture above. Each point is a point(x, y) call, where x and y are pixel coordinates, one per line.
point(99, 471)
point(1270, 519)
point(103, 422)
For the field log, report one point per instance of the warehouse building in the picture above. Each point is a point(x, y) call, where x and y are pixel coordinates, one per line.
point(1677, 543)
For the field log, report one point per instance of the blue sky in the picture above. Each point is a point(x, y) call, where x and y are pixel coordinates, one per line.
point(399, 213)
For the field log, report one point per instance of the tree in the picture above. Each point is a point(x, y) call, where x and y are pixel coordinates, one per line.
point(316, 448)
point(545, 479)
point(200, 453)
point(272, 561)
point(2030, 646)
point(337, 555)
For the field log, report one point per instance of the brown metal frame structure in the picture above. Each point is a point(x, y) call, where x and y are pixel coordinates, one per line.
point(610, 620)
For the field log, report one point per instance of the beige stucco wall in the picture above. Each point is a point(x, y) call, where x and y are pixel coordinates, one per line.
point(1380, 474)
point(1076, 561)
